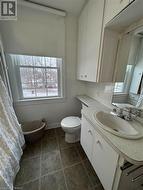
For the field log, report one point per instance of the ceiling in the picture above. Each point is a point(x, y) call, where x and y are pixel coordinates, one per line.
point(70, 6)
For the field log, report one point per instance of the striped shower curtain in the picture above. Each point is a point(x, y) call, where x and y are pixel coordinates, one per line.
point(11, 140)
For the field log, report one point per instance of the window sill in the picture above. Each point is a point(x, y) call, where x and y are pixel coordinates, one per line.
point(120, 93)
point(37, 101)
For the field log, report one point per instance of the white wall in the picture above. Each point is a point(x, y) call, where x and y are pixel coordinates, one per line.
point(54, 110)
point(102, 92)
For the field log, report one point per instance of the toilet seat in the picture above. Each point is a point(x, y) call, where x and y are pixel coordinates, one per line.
point(71, 122)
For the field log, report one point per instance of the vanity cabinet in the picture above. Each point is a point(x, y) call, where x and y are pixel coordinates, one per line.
point(113, 8)
point(87, 137)
point(89, 40)
point(104, 161)
point(101, 155)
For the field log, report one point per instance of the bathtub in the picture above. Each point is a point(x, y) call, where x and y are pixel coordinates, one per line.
point(33, 131)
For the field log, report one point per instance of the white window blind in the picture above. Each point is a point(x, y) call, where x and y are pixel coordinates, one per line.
point(35, 33)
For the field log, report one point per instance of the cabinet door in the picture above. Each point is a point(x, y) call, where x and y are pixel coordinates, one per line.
point(113, 7)
point(104, 161)
point(87, 137)
point(89, 38)
point(94, 32)
point(82, 31)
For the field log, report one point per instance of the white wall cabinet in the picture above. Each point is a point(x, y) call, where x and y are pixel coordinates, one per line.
point(114, 7)
point(97, 43)
point(89, 38)
point(101, 155)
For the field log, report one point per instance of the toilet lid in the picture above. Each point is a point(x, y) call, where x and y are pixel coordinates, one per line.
point(71, 122)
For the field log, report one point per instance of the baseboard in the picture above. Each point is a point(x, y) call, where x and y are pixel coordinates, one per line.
point(52, 126)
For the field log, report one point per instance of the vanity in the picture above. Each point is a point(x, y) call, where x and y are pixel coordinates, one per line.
point(117, 160)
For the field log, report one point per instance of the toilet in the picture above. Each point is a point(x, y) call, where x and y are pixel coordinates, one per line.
point(71, 125)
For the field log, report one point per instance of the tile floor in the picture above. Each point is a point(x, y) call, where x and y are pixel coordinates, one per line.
point(53, 164)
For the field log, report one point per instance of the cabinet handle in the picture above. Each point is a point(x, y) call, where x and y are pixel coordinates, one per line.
point(89, 131)
point(85, 76)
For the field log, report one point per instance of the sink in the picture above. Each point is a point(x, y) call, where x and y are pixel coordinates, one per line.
point(116, 125)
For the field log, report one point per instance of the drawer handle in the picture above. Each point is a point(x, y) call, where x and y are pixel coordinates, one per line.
point(137, 178)
point(90, 132)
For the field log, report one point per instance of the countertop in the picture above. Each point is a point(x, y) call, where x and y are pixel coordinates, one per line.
point(86, 100)
point(130, 150)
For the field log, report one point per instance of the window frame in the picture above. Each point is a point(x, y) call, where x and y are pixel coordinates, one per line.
point(59, 75)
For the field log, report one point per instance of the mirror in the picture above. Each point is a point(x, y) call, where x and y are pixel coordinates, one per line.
point(128, 89)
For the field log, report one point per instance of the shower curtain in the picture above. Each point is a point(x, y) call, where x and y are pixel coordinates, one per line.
point(11, 140)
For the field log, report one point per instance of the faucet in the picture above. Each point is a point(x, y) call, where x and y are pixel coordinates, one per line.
point(128, 113)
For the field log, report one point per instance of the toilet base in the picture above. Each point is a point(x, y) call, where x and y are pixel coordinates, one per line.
point(72, 138)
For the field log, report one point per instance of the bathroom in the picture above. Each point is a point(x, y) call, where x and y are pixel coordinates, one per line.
point(71, 95)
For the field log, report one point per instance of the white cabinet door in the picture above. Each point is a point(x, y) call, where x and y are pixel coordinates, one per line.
point(113, 7)
point(94, 32)
point(82, 33)
point(104, 161)
point(87, 137)
point(89, 38)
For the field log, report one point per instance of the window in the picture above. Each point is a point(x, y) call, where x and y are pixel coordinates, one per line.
point(38, 77)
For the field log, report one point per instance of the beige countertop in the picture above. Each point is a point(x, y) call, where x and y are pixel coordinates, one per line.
point(131, 150)
point(90, 102)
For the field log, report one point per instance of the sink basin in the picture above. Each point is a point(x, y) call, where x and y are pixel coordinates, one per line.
point(116, 125)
